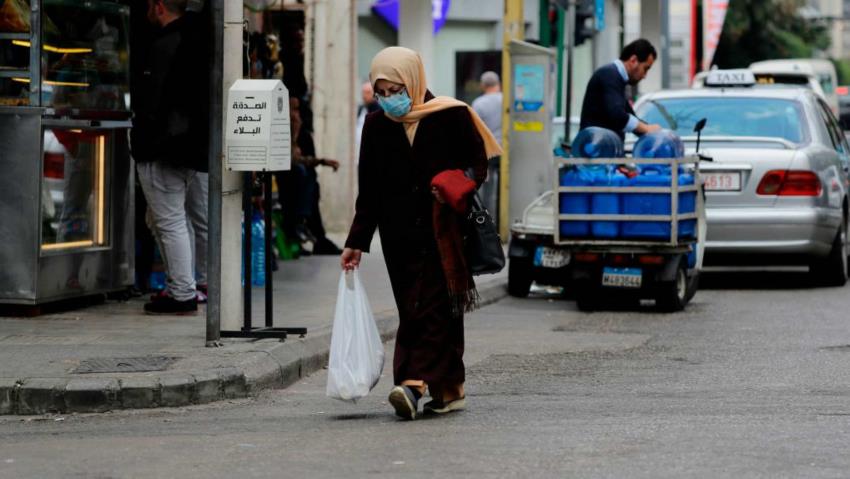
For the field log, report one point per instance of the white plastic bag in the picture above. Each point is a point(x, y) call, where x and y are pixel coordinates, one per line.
point(357, 353)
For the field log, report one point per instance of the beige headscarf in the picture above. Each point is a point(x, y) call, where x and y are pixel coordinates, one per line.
point(404, 66)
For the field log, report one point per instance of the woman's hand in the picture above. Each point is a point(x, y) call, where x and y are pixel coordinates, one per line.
point(350, 259)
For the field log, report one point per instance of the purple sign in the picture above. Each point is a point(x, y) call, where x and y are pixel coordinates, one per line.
point(388, 10)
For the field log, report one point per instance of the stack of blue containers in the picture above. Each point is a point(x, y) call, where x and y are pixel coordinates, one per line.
point(601, 143)
point(661, 144)
point(592, 142)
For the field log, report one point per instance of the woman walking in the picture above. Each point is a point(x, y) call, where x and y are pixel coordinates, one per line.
point(416, 138)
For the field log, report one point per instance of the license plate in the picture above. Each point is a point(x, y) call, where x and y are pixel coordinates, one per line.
point(551, 257)
point(722, 181)
point(621, 277)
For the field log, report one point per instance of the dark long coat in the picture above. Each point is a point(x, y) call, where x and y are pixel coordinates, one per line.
point(395, 197)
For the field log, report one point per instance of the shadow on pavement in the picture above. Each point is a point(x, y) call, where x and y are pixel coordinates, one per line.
point(756, 280)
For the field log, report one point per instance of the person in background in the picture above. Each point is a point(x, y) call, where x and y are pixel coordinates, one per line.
point(298, 191)
point(275, 70)
point(420, 219)
point(605, 102)
point(170, 141)
point(310, 226)
point(489, 108)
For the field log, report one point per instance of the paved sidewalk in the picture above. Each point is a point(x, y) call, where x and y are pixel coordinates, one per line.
point(38, 356)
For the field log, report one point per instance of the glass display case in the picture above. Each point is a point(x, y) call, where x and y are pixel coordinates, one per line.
point(67, 189)
point(15, 55)
point(83, 64)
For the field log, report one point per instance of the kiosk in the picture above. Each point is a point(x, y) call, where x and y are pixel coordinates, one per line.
point(66, 192)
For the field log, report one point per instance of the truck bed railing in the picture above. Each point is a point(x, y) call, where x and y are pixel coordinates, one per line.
point(673, 191)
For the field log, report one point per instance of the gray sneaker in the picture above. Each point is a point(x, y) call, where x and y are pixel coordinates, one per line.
point(404, 402)
point(437, 407)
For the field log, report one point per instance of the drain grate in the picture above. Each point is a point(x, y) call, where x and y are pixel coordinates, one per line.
point(124, 365)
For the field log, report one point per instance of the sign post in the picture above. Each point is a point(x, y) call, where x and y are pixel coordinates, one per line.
point(258, 140)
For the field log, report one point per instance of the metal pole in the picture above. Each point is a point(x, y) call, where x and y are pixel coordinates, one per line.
point(559, 108)
point(247, 219)
point(665, 41)
point(267, 181)
point(35, 53)
point(544, 27)
point(214, 198)
point(570, 36)
point(512, 22)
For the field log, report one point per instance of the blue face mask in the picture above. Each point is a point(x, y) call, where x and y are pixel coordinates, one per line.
point(396, 105)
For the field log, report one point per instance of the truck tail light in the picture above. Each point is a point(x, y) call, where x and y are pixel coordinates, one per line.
point(790, 183)
point(651, 259)
point(586, 257)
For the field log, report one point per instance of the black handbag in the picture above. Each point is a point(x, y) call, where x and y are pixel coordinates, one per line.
point(482, 244)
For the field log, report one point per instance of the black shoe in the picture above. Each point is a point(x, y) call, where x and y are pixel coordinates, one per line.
point(404, 401)
point(171, 306)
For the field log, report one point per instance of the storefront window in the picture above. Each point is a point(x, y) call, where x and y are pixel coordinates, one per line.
point(14, 52)
point(73, 189)
point(15, 16)
point(85, 56)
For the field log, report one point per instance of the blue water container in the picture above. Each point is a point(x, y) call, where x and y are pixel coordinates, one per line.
point(606, 203)
point(258, 250)
point(574, 203)
point(657, 204)
point(595, 142)
point(659, 144)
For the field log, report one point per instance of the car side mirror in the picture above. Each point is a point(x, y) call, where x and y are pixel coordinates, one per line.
point(698, 129)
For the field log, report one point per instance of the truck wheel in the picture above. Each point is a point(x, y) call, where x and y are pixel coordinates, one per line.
point(832, 270)
point(693, 285)
point(674, 295)
point(588, 298)
point(520, 277)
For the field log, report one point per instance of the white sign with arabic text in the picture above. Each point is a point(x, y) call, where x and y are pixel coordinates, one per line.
point(257, 131)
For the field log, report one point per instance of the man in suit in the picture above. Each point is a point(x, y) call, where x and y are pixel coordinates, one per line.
point(605, 102)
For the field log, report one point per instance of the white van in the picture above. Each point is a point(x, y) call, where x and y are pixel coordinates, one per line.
point(822, 70)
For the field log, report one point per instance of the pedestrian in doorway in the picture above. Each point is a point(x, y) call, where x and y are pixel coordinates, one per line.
point(416, 138)
point(170, 141)
point(605, 102)
point(489, 108)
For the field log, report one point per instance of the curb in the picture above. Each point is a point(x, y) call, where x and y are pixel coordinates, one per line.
point(271, 364)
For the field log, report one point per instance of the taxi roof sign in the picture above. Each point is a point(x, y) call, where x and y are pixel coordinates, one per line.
point(726, 78)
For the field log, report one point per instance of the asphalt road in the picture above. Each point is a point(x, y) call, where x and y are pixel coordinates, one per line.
point(752, 380)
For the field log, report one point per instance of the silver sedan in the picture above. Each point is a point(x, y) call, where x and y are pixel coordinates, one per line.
point(777, 183)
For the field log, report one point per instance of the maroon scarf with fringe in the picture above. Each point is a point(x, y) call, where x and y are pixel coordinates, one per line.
point(448, 220)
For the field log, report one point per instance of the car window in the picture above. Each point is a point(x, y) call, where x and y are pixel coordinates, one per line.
point(769, 117)
point(832, 128)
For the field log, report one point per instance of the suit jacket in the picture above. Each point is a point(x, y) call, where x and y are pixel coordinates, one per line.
point(605, 103)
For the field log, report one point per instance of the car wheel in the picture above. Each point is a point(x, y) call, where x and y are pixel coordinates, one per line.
point(520, 276)
point(832, 270)
point(674, 295)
